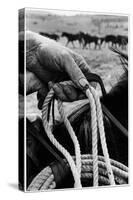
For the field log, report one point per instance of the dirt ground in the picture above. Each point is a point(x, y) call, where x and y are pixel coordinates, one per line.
point(103, 62)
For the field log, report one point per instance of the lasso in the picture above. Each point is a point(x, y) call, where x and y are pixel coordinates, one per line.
point(81, 165)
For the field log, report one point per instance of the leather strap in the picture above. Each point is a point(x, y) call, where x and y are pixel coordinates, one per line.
point(39, 137)
point(92, 77)
point(59, 167)
point(61, 171)
point(115, 121)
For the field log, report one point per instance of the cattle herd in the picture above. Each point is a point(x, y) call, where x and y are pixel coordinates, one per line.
point(87, 40)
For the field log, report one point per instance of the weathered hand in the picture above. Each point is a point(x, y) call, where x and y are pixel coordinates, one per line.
point(47, 60)
point(64, 91)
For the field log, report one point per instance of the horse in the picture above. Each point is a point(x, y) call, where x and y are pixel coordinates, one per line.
point(101, 41)
point(72, 37)
point(38, 156)
point(51, 36)
point(95, 40)
point(110, 40)
point(122, 41)
point(83, 38)
point(88, 39)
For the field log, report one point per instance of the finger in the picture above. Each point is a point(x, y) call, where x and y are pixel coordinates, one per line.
point(82, 64)
point(59, 92)
point(74, 71)
point(42, 93)
point(81, 96)
point(86, 69)
point(70, 92)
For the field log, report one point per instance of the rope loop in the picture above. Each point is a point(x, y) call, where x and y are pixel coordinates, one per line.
point(76, 169)
point(96, 125)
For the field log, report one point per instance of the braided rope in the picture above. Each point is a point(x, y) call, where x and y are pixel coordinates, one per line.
point(47, 184)
point(72, 134)
point(96, 122)
point(39, 180)
point(94, 136)
point(94, 127)
point(45, 180)
point(56, 143)
point(86, 157)
point(102, 136)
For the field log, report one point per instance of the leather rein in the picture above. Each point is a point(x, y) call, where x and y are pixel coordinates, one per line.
point(96, 78)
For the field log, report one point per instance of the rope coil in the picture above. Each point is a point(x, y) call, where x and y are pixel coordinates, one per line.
point(96, 124)
point(66, 154)
point(101, 169)
point(120, 172)
point(73, 136)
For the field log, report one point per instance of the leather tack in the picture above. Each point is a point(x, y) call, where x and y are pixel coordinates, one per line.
point(60, 171)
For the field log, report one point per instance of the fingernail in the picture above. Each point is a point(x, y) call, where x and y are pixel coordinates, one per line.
point(83, 83)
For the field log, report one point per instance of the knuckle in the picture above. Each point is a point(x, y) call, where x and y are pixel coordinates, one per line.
point(65, 54)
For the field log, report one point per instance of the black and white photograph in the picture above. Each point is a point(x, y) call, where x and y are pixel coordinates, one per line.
point(73, 99)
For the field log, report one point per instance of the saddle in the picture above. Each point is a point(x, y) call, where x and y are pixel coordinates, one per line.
point(39, 146)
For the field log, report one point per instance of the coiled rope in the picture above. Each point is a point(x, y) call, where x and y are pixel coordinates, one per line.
point(73, 136)
point(96, 125)
point(45, 179)
point(66, 154)
point(102, 135)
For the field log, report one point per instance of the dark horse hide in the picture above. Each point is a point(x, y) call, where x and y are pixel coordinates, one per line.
point(116, 40)
point(72, 37)
point(89, 39)
point(38, 156)
point(50, 35)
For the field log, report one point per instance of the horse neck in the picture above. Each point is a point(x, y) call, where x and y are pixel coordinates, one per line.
point(117, 101)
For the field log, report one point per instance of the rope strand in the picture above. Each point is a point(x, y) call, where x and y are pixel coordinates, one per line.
point(102, 136)
point(72, 135)
point(94, 137)
point(56, 143)
point(120, 172)
point(96, 124)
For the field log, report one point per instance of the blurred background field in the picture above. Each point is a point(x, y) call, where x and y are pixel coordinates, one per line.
point(96, 24)
point(101, 61)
